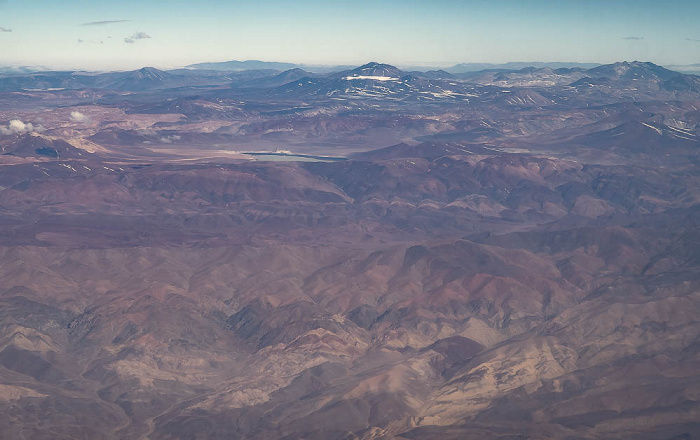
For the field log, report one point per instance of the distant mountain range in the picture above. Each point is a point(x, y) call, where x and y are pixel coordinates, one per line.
point(239, 66)
point(235, 65)
point(475, 67)
point(242, 65)
point(373, 81)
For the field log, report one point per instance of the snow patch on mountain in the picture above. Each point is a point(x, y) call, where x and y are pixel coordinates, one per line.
point(375, 78)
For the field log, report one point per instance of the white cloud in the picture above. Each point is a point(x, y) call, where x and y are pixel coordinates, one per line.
point(136, 36)
point(18, 127)
point(76, 116)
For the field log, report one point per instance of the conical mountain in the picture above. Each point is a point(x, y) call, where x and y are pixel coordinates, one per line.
point(146, 78)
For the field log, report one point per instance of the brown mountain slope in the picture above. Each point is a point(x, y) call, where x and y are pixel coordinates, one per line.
point(460, 297)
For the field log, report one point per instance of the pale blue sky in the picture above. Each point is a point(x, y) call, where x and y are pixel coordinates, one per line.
point(440, 32)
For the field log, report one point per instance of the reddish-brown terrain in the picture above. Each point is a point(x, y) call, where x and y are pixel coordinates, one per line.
point(496, 257)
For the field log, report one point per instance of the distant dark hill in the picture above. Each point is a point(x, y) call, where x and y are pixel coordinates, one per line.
point(425, 150)
point(642, 137)
point(475, 67)
point(630, 70)
point(639, 73)
point(49, 80)
point(147, 78)
point(34, 145)
point(281, 79)
point(242, 65)
point(143, 79)
point(436, 74)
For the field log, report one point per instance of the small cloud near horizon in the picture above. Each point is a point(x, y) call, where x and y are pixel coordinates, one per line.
point(696, 40)
point(4, 29)
point(632, 37)
point(136, 36)
point(16, 126)
point(77, 116)
point(102, 22)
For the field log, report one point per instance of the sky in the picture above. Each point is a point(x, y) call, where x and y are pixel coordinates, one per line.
point(128, 34)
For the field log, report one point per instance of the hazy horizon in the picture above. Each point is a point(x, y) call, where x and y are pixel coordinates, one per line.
point(78, 34)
